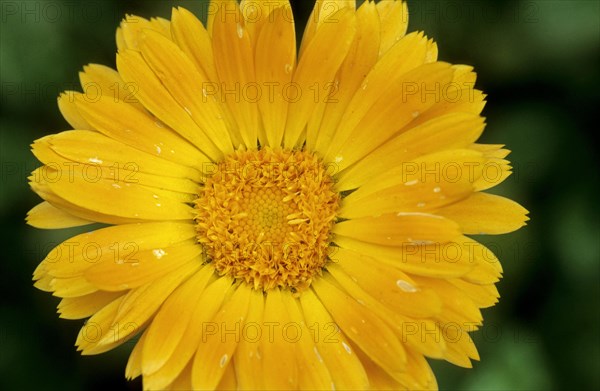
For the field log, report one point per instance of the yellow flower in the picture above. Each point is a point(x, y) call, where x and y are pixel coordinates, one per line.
point(276, 220)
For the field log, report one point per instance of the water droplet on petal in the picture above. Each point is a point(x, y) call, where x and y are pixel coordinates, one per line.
point(410, 183)
point(95, 160)
point(288, 68)
point(240, 31)
point(437, 189)
point(223, 360)
point(116, 186)
point(187, 110)
point(348, 349)
point(158, 253)
point(317, 354)
point(415, 114)
point(406, 286)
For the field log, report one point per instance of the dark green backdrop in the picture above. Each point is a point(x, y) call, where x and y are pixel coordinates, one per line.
point(537, 60)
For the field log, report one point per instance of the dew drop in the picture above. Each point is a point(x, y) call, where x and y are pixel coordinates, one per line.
point(223, 360)
point(364, 86)
point(95, 160)
point(348, 349)
point(240, 31)
point(204, 93)
point(415, 114)
point(410, 183)
point(158, 149)
point(158, 253)
point(338, 159)
point(406, 286)
point(317, 354)
point(437, 189)
point(116, 186)
point(187, 110)
point(288, 68)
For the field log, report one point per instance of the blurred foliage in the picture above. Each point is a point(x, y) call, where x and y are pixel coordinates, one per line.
point(538, 62)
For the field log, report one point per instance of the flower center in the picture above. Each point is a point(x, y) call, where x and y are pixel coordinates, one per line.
point(265, 217)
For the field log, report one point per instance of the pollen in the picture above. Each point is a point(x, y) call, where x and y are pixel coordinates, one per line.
point(264, 217)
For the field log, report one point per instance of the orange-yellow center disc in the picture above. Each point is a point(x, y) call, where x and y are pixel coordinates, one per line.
point(265, 217)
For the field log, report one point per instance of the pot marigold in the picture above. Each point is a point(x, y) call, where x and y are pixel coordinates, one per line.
point(276, 218)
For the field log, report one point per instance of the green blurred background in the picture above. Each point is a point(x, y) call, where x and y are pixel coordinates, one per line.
point(538, 61)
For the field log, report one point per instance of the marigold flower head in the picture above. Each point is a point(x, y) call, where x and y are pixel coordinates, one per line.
point(277, 218)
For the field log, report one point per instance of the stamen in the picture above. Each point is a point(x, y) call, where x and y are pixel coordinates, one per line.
point(264, 217)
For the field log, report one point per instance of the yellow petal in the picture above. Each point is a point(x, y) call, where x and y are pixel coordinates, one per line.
point(317, 67)
point(103, 198)
point(97, 149)
point(388, 285)
point(312, 370)
point(420, 185)
point(68, 109)
point(163, 334)
point(140, 130)
point(407, 329)
point(436, 260)
point(483, 213)
point(414, 93)
point(193, 39)
point(142, 267)
point(367, 330)
point(133, 26)
point(451, 131)
point(75, 255)
point(357, 64)
point(247, 358)
point(345, 368)
point(235, 66)
point(461, 96)
point(140, 304)
point(71, 287)
point(85, 306)
point(97, 327)
point(157, 99)
point(280, 367)
point(399, 229)
point(483, 296)
point(44, 215)
point(100, 81)
point(215, 353)
point(209, 303)
point(394, 22)
point(275, 58)
point(408, 54)
point(324, 11)
point(134, 363)
point(186, 85)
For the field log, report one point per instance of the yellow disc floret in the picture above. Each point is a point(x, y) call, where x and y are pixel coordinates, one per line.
point(264, 217)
